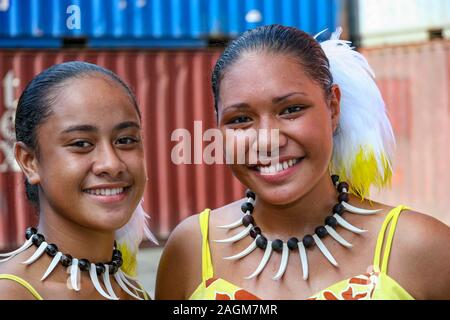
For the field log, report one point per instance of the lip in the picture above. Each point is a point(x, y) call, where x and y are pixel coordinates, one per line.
point(109, 186)
point(281, 175)
point(112, 198)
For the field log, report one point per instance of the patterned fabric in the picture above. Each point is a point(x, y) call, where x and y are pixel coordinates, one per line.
point(376, 285)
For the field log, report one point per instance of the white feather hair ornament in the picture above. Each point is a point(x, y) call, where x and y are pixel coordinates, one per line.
point(130, 236)
point(364, 142)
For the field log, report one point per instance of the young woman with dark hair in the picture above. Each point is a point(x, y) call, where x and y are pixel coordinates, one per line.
point(79, 145)
point(305, 229)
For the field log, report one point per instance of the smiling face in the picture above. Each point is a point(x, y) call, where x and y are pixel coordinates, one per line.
point(90, 162)
point(271, 91)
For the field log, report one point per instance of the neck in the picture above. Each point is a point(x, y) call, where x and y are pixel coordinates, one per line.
point(301, 216)
point(71, 238)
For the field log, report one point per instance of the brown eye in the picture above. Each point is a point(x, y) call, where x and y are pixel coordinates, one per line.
point(293, 109)
point(238, 120)
point(127, 140)
point(81, 144)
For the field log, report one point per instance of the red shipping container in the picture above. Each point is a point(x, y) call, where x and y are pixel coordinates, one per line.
point(173, 91)
point(415, 83)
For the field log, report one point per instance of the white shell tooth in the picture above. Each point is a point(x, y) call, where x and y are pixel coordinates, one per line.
point(324, 250)
point(37, 254)
point(52, 265)
point(336, 236)
point(283, 263)
point(233, 225)
point(344, 224)
point(238, 236)
point(128, 283)
point(264, 260)
point(24, 247)
point(96, 283)
point(357, 210)
point(74, 271)
point(244, 252)
point(107, 283)
point(303, 259)
point(124, 286)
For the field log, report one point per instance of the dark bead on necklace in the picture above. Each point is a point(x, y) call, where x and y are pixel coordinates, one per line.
point(308, 241)
point(331, 221)
point(247, 219)
point(30, 232)
point(335, 179)
point(343, 196)
point(277, 245)
point(116, 253)
point(254, 232)
point(261, 242)
point(118, 261)
point(339, 209)
point(321, 232)
point(113, 267)
point(250, 194)
point(100, 268)
point(247, 206)
point(292, 243)
point(51, 250)
point(37, 239)
point(84, 264)
point(342, 185)
point(66, 260)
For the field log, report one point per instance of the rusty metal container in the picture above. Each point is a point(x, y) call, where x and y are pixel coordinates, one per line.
point(415, 83)
point(173, 91)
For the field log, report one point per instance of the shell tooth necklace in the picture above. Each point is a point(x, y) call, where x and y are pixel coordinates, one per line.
point(75, 265)
point(293, 243)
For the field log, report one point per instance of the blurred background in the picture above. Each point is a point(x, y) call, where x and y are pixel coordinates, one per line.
point(165, 49)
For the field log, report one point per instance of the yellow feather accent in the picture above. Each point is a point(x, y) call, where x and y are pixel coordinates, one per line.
point(365, 172)
point(129, 260)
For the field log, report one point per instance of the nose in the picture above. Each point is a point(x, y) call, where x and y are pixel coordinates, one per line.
point(107, 161)
point(270, 138)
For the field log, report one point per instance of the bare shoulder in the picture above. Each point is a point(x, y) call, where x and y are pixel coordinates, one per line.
point(180, 264)
point(10, 289)
point(226, 214)
point(421, 252)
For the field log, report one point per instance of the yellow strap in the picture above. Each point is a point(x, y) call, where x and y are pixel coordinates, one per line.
point(391, 220)
point(207, 268)
point(22, 282)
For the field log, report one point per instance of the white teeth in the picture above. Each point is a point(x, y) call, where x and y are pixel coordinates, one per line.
point(105, 192)
point(277, 167)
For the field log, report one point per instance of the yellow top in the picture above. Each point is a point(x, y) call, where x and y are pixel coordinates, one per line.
point(376, 285)
point(33, 291)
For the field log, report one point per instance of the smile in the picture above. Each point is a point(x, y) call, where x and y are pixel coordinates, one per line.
point(106, 192)
point(277, 167)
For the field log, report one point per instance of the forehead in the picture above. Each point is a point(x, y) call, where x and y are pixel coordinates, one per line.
point(264, 76)
point(90, 99)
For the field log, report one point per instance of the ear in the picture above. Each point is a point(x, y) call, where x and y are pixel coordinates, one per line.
point(335, 105)
point(27, 160)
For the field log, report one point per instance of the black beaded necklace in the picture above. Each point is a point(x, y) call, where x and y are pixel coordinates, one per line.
point(308, 241)
point(96, 270)
point(66, 259)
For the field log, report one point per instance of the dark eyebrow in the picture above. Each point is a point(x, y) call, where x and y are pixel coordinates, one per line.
point(244, 106)
point(238, 106)
point(83, 128)
point(126, 124)
point(279, 99)
point(90, 128)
